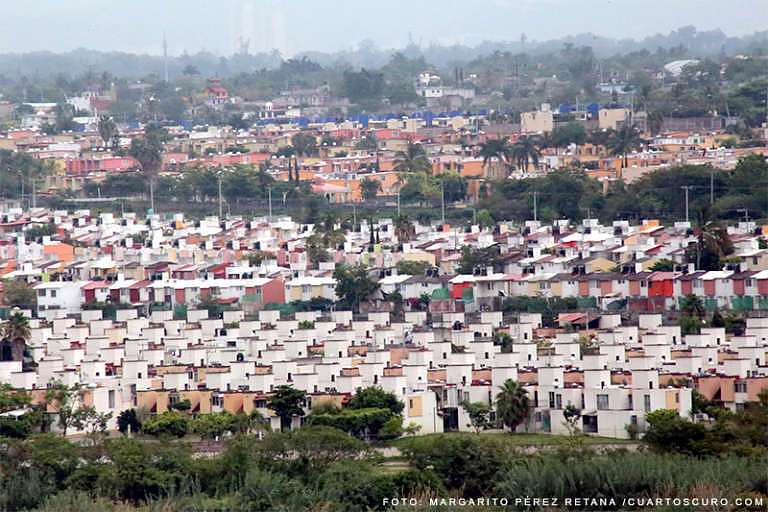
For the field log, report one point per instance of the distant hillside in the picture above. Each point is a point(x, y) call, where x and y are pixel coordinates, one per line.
point(46, 64)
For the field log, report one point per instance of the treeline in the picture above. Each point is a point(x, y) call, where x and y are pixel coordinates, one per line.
point(321, 468)
point(570, 194)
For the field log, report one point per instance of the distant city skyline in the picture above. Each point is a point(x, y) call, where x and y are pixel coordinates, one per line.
point(292, 26)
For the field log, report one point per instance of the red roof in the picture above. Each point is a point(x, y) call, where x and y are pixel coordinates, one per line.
point(95, 285)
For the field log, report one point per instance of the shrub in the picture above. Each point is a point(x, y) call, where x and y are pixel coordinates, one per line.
point(167, 424)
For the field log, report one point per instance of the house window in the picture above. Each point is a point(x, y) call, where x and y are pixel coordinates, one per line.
point(647, 403)
point(558, 401)
point(111, 398)
point(602, 402)
point(41, 293)
point(53, 293)
point(551, 399)
point(740, 387)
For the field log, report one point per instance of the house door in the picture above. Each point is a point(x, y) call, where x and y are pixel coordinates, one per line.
point(450, 419)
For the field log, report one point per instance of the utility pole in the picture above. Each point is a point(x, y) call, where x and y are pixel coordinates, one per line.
point(746, 213)
point(712, 186)
point(535, 207)
point(442, 197)
point(269, 196)
point(398, 203)
point(354, 215)
point(34, 196)
point(221, 204)
point(686, 188)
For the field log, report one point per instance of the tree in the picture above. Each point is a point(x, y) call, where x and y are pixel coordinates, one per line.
point(412, 268)
point(479, 415)
point(128, 421)
point(304, 144)
point(87, 419)
point(668, 432)
point(376, 397)
point(571, 133)
point(148, 152)
point(478, 258)
point(404, 228)
point(691, 305)
point(499, 150)
point(512, 404)
point(713, 245)
point(572, 415)
point(213, 425)
point(16, 328)
point(107, 129)
point(17, 293)
point(167, 424)
point(663, 265)
point(354, 285)
point(370, 188)
point(454, 186)
point(286, 402)
point(362, 86)
point(525, 151)
point(623, 141)
point(485, 219)
point(412, 159)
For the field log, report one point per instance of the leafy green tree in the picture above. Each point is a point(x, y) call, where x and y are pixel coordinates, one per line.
point(570, 133)
point(663, 265)
point(213, 425)
point(404, 228)
point(362, 86)
point(286, 402)
point(668, 432)
point(354, 285)
point(413, 268)
point(512, 404)
point(16, 293)
point(366, 423)
point(167, 424)
point(304, 144)
point(479, 415)
point(128, 421)
point(468, 462)
point(376, 397)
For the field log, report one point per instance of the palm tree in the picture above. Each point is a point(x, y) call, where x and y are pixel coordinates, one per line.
point(512, 404)
point(369, 188)
point(148, 152)
point(496, 149)
point(526, 150)
point(623, 141)
point(107, 129)
point(17, 328)
point(15, 334)
point(691, 305)
point(413, 159)
point(404, 228)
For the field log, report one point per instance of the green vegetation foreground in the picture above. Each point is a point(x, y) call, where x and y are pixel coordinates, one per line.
point(320, 468)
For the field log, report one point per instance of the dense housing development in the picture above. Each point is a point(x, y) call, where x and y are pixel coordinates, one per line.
point(190, 315)
point(522, 275)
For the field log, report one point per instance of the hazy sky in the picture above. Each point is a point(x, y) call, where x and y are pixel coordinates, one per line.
point(329, 25)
